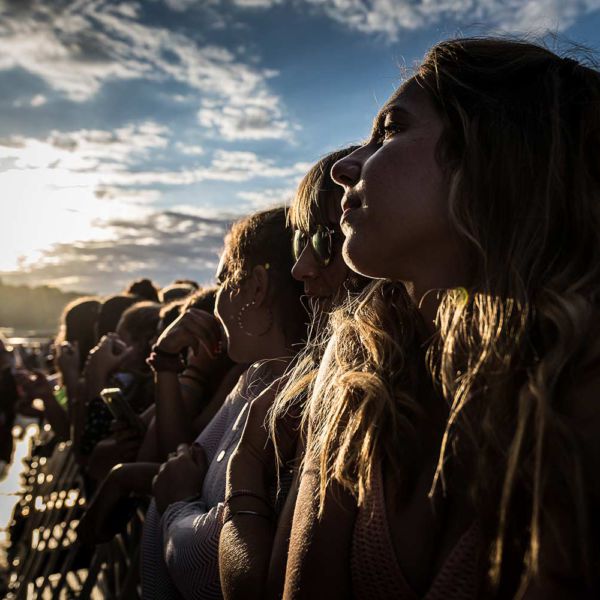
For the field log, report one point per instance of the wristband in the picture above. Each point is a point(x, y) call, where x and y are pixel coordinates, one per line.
point(249, 493)
point(228, 515)
point(162, 352)
point(161, 363)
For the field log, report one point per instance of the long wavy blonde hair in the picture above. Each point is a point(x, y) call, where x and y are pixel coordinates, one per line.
point(521, 149)
point(317, 203)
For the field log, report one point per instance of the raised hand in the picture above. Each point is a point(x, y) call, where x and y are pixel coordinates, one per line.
point(104, 360)
point(195, 329)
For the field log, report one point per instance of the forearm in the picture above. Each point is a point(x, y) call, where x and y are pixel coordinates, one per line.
point(173, 424)
point(318, 564)
point(244, 555)
point(281, 543)
point(246, 540)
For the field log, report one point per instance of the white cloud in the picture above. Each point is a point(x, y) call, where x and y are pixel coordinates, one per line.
point(180, 5)
point(160, 245)
point(58, 188)
point(38, 100)
point(109, 165)
point(256, 3)
point(246, 118)
point(78, 46)
point(266, 198)
point(229, 166)
point(86, 149)
point(189, 149)
point(390, 17)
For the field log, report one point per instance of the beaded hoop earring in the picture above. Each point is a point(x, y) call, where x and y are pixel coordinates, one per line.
point(240, 322)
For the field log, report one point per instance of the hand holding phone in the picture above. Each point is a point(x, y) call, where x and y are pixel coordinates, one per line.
point(121, 409)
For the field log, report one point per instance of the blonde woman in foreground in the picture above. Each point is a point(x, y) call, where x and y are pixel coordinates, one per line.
point(454, 431)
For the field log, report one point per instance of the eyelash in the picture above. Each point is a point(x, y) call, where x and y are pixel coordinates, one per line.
point(385, 130)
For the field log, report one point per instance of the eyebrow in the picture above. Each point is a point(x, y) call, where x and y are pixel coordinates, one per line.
point(395, 109)
point(390, 109)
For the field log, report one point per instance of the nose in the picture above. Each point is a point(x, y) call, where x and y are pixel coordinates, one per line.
point(346, 171)
point(306, 267)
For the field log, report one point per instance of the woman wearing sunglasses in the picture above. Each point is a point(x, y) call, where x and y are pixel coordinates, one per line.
point(252, 548)
point(457, 454)
point(318, 239)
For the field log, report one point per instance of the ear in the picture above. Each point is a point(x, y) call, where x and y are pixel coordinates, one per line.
point(259, 285)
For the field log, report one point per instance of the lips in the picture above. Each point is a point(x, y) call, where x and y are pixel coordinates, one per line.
point(349, 203)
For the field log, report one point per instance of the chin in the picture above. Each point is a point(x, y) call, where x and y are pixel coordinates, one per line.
point(358, 258)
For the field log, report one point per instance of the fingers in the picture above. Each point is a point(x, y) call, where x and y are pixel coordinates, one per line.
point(205, 327)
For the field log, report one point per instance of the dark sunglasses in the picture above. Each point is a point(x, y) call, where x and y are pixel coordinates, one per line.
point(321, 242)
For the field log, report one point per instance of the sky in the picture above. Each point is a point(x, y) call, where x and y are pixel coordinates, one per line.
point(133, 132)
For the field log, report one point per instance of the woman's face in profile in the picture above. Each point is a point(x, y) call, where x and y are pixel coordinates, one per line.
point(228, 304)
point(395, 214)
point(323, 282)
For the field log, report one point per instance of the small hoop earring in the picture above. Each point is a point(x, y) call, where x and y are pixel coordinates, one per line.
point(242, 327)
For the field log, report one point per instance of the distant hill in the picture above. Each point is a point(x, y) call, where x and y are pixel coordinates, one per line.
point(38, 309)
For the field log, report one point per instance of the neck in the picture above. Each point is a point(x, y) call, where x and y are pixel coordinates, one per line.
point(273, 348)
point(426, 292)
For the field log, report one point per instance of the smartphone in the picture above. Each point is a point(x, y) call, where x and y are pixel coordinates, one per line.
point(121, 409)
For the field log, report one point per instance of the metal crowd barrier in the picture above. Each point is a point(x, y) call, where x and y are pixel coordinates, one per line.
point(45, 558)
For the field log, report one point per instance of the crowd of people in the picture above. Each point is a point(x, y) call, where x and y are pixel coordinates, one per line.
point(391, 390)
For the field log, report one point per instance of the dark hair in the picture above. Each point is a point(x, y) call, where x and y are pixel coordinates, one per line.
point(318, 197)
point(140, 321)
point(189, 282)
point(170, 312)
point(265, 238)
point(203, 299)
point(145, 289)
point(111, 311)
point(176, 291)
point(78, 324)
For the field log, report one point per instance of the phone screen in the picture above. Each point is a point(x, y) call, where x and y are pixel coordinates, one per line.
point(121, 409)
